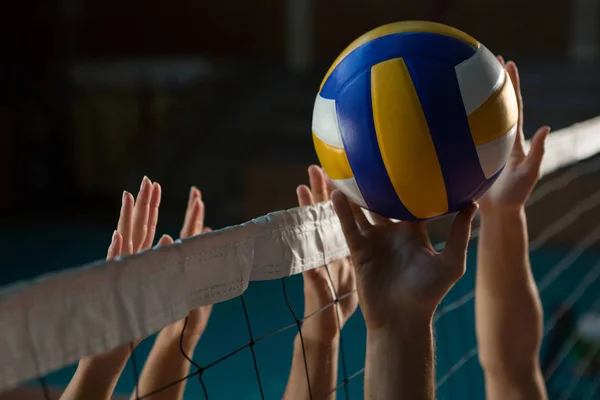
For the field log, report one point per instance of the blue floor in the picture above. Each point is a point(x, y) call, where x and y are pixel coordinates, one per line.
point(29, 251)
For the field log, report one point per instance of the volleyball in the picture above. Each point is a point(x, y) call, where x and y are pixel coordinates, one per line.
point(414, 120)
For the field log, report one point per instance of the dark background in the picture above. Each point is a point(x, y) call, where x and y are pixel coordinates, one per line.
point(95, 94)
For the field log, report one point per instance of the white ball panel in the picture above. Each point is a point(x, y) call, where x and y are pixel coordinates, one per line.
point(325, 123)
point(493, 155)
point(478, 78)
point(351, 190)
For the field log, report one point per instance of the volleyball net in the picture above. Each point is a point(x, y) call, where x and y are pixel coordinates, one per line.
point(251, 272)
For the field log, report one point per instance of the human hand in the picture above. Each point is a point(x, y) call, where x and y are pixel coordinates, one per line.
point(193, 225)
point(398, 272)
point(97, 375)
point(521, 173)
point(323, 284)
point(166, 363)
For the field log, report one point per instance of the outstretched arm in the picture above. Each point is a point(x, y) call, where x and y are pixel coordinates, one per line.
point(508, 309)
point(401, 280)
point(166, 366)
point(320, 330)
point(96, 376)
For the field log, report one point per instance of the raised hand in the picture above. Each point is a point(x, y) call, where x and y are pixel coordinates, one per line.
point(319, 289)
point(316, 352)
point(513, 187)
point(166, 363)
point(193, 225)
point(397, 269)
point(401, 280)
point(508, 311)
point(96, 376)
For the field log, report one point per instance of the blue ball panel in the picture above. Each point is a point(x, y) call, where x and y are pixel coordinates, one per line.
point(444, 49)
point(355, 119)
point(439, 93)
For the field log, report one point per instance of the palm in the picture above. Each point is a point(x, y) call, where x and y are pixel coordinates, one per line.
point(512, 185)
point(397, 269)
point(400, 267)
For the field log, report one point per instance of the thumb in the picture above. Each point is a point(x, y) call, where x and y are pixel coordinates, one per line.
point(460, 233)
point(536, 152)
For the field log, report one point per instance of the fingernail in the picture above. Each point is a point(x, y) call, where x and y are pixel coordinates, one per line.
point(114, 238)
point(124, 196)
point(145, 182)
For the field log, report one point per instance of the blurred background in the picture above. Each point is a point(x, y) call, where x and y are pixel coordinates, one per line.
point(219, 94)
point(95, 94)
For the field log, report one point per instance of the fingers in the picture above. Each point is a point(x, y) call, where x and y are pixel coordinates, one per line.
point(195, 224)
point(501, 59)
point(330, 186)
point(194, 215)
point(116, 246)
point(141, 212)
point(305, 197)
point(153, 215)
point(348, 219)
point(165, 240)
point(534, 159)
point(318, 184)
point(360, 217)
point(194, 194)
point(418, 228)
point(125, 224)
point(513, 73)
point(460, 233)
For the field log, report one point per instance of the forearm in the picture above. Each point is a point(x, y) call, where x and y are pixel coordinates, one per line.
point(321, 360)
point(97, 376)
point(508, 309)
point(165, 365)
point(400, 360)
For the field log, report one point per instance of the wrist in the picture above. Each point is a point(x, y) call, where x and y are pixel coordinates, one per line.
point(502, 213)
point(404, 324)
point(171, 336)
point(320, 344)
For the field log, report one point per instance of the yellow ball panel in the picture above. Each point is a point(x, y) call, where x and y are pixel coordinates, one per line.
point(333, 160)
point(495, 117)
point(404, 141)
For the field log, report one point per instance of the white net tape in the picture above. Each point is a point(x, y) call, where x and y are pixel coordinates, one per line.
point(53, 321)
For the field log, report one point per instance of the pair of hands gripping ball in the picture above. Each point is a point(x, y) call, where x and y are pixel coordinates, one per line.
point(398, 269)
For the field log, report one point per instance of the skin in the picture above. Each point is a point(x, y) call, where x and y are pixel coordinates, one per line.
point(320, 330)
point(509, 317)
point(401, 280)
point(96, 376)
point(165, 363)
